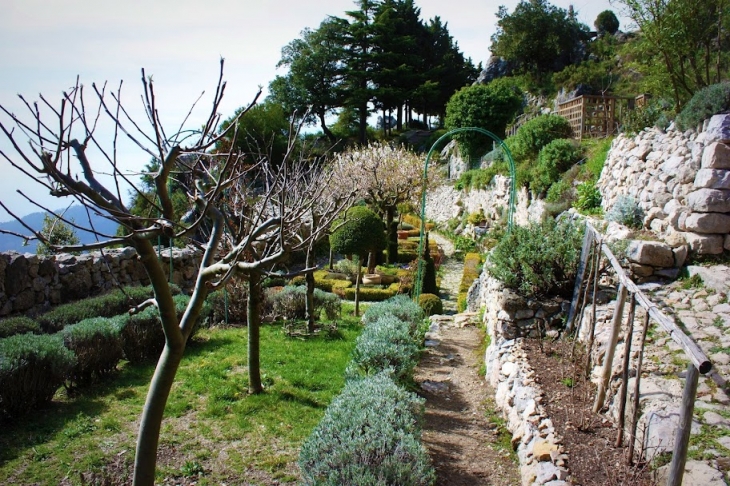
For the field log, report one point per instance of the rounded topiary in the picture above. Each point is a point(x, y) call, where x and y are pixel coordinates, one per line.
point(555, 158)
point(705, 103)
point(431, 304)
point(361, 233)
point(606, 23)
point(537, 133)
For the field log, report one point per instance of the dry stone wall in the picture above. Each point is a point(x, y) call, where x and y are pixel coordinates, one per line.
point(32, 283)
point(680, 179)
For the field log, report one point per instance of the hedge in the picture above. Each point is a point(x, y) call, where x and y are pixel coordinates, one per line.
point(111, 304)
point(431, 304)
point(472, 262)
point(372, 294)
point(97, 345)
point(18, 325)
point(402, 307)
point(32, 368)
point(369, 435)
point(385, 346)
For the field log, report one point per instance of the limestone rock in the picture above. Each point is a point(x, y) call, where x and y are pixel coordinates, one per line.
point(707, 223)
point(726, 245)
point(680, 255)
point(651, 253)
point(704, 244)
point(718, 129)
point(541, 450)
point(696, 473)
point(709, 200)
point(713, 179)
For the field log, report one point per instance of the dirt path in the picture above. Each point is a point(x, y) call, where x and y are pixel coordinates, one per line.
point(466, 447)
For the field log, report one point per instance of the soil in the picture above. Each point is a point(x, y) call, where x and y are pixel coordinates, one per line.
point(588, 438)
point(464, 445)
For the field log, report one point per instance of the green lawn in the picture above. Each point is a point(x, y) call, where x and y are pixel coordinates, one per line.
point(213, 432)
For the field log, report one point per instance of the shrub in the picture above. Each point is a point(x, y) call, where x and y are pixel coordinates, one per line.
point(606, 23)
point(110, 304)
point(560, 191)
point(31, 370)
point(97, 345)
point(656, 113)
point(18, 325)
point(229, 304)
point(290, 303)
point(555, 158)
point(538, 260)
point(626, 211)
point(461, 303)
point(369, 435)
point(431, 304)
point(537, 133)
point(348, 267)
point(400, 306)
point(472, 263)
point(384, 346)
point(368, 294)
point(588, 197)
point(704, 104)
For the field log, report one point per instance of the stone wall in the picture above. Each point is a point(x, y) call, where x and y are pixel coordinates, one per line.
point(32, 283)
point(680, 179)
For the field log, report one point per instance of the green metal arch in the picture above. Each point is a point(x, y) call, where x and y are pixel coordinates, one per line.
point(512, 193)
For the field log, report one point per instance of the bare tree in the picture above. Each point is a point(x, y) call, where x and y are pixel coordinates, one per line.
point(252, 213)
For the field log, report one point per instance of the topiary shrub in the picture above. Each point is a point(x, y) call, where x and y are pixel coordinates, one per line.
point(472, 264)
point(431, 304)
point(32, 368)
point(555, 158)
point(626, 211)
point(606, 23)
point(384, 346)
point(97, 345)
point(704, 104)
point(369, 435)
point(110, 304)
point(368, 294)
point(537, 133)
point(18, 325)
point(290, 303)
point(538, 260)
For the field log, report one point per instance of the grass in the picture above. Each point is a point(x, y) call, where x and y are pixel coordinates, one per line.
point(213, 429)
point(503, 442)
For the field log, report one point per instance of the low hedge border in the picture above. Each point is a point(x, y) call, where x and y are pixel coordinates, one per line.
point(97, 345)
point(18, 325)
point(472, 262)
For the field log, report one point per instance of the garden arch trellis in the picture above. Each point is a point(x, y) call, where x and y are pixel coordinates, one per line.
point(512, 193)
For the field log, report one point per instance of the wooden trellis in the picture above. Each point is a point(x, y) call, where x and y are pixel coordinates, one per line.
point(591, 116)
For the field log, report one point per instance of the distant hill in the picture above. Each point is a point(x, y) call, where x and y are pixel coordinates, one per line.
point(35, 221)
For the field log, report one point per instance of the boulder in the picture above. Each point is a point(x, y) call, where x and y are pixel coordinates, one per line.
point(705, 244)
point(16, 275)
point(713, 178)
point(707, 223)
point(652, 253)
point(680, 255)
point(709, 201)
point(718, 129)
point(716, 156)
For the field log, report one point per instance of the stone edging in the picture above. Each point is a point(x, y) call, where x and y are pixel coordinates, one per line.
point(539, 449)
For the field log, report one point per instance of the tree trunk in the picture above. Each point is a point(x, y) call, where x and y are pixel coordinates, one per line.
point(254, 341)
point(309, 303)
point(145, 459)
point(392, 228)
point(357, 286)
point(399, 117)
point(385, 128)
point(330, 136)
point(363, 124)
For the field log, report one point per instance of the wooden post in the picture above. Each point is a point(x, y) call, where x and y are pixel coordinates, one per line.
point(625, 372)
point(591, 332)
point(582, 265)
point(608, 361)
point(637, 388)
point(681, 441)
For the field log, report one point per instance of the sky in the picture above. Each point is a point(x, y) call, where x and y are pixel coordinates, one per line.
point(45, 44)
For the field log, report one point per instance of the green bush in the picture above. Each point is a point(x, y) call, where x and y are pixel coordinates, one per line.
point(656, 113)
point(370, 294)
point(348, 267)
point(560, 191)
point(369, 435)
point(431, 304)
point(228, 305)
point(704, 104)
point(290, 303)
point(110, 304)
point(606, 23)
point(32, 368)
point(538, 260)
point(97, 345)
point(18, 325)
point(626, 211)
point(400, 306)
point(384, 346)
point(472, 264)
point(555, 158)
point(537, 133)
point(588, 197)
point(361, 232)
